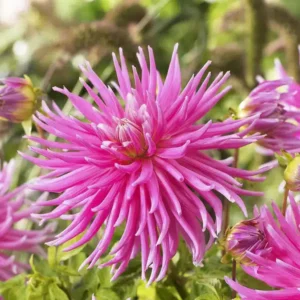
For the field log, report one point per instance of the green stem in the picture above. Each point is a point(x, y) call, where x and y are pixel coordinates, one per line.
point(178, 281)
point(256, 20)
point(226, 220)
point(49, 74)
point(1, 157)
point(226, 208)
point(285, 198)
point(233, 276)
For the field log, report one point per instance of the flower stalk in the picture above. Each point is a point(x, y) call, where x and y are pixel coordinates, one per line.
point(226, 207)
point(227, 222)
point(285, 200)
point(256, 20)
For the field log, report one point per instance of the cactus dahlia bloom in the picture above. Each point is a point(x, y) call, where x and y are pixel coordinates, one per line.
point(18, 99)
point(143, 165)
point(11, 238)
point(277, 262)
point(278, 117)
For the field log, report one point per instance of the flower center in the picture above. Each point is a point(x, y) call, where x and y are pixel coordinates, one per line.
point(130, 135)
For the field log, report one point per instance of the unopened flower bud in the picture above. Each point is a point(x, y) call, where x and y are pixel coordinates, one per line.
point(292, 174)
point(245, 236)
point(19, 99)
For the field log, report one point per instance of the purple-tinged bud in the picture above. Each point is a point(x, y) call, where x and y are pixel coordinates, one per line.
point(19, 99)
point(292, 174)
point(245, 236)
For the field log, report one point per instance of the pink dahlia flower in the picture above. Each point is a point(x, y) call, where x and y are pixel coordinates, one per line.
point(11, 238)
point(18, 99)
point(274, 255)
point(143, 165)
point(278, 116)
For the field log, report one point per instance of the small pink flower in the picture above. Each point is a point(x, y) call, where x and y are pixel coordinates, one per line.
point(11, 238)
point(18, 99)
point(278, 264)
point(144, 165)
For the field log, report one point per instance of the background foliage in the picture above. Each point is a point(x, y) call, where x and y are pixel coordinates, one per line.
point(48, 40)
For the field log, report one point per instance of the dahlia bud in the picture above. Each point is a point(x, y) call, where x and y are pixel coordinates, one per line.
point(292, 174)
point(245, 236)
point(19, 99)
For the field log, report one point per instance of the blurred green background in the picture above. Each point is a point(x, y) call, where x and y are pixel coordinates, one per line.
point(48, 39)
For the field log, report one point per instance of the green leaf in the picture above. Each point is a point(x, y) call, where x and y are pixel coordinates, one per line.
point(18, 280)
point(185, 258)
point(57, 293)
point(87, 285)
point(91, 280)
point(31, 262)
point(104, 278)
point(169, 293)
point(208, 292)
point(27, 126)
point(37, 288)
point(14, 288)
point(76, 261)
point(144, 292)
point(126, 290)
point(207, 296)
point(66, 270)
point(62, 255)
point(43, 268)
point(16, 293)
point(106, 294)
point(52, 256)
